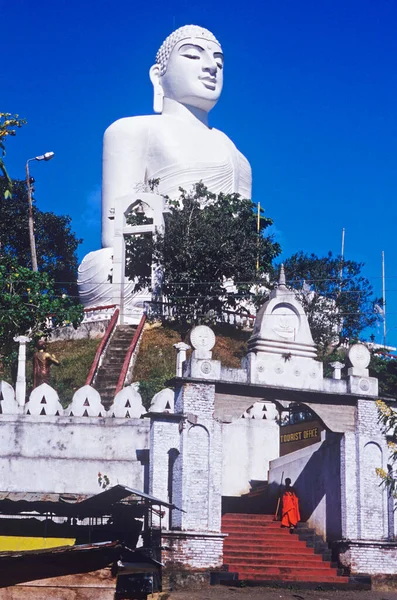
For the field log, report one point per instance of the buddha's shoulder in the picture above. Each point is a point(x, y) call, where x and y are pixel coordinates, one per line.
point(230, 143)
point(132, 126)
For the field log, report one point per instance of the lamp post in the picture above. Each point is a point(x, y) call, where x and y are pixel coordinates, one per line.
point(46, 156)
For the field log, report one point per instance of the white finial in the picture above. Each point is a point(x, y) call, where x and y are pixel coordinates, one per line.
point(282, 282)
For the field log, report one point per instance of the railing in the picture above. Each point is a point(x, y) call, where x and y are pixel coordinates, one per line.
point(167, 310)
point(130, 352)
point(102, 346)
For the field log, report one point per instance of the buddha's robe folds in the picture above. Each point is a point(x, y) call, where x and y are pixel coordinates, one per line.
point(290, 509)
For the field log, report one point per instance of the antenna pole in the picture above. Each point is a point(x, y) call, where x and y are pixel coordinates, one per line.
point(342, 253)
point(258, 229)
point(384, 299)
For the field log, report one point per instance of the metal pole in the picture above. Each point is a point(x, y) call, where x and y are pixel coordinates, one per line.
point(342, 255)
point(30, 220)
point(384, 298)
point(258, 229)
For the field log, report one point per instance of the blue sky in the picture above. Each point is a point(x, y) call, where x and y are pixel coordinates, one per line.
point(309, 97)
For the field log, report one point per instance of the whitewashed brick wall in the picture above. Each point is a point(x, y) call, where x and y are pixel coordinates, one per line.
point(365, 512)
point(192, 550)
point(201, 459)
point(370, 558)
point(196, 398)
point(164, 436)
point(349, 478)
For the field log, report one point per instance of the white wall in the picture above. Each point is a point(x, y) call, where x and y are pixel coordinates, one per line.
point(65, 454)
point(248, 446)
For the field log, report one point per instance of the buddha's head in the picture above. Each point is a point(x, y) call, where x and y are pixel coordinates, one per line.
point(188, 69)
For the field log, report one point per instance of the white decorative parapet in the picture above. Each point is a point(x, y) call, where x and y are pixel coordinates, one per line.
point(86, 403)
point(163, 401)
point(260, 411)
point(8, 403)
point(44, 400)
point(127, 404)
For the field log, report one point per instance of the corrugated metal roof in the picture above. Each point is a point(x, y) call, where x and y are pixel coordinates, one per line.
point(115, 494)
point(42, 497)
point(81, 505)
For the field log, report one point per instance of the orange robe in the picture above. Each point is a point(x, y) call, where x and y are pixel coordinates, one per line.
point(290, 509)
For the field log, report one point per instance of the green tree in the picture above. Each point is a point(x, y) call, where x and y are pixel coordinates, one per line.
point(208, 239)
point(56, 244)
point(336, 297)
point(9, 124)
point(388, 419)
point(384, 367)
point(30, 305)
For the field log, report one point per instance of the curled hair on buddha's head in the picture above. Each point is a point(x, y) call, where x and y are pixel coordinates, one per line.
point(187, 31)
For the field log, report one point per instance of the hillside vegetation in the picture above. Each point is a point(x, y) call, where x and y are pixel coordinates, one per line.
point(156, 362)
point(75, 356)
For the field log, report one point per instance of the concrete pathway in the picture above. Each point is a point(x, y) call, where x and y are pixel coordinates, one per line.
point(229, 593)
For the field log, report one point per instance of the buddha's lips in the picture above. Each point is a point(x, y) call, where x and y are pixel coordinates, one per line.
point(209, 81)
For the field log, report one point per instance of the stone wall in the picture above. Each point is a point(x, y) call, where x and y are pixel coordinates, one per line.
point(65, 454)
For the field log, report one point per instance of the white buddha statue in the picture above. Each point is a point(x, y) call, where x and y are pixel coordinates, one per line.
point(177, 146)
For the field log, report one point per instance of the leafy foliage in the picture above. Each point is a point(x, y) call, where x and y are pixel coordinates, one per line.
point(9, 124)
point(139, 251)
point(339, 308)
point(56, 244)
point(30, 305)
point(209, 239)
point(387, 417)
point(385, 369)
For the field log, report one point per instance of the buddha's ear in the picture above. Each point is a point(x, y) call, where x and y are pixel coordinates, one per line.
point(158, 96)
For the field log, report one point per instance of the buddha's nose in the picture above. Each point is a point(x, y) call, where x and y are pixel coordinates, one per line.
point(210, 66)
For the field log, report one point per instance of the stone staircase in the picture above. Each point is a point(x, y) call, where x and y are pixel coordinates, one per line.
point(259, 550)
point(109, 371)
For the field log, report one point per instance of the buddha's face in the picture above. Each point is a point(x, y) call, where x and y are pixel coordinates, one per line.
point(194, 74)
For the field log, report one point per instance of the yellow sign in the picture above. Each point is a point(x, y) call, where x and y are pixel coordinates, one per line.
point(297, 436)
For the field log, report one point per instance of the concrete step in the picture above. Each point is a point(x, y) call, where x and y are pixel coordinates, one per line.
point(258, 549)
point(270, 549)
point(259, 536)
point(263, 528)
point(270, 557)
point(314, 570)
point(240, 518)
point(304, 578)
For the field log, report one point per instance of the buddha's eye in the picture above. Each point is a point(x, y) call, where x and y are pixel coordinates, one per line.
point(192, 56)
point(219, 60)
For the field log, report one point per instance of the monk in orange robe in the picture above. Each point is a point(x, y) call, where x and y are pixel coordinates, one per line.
point(290, 506)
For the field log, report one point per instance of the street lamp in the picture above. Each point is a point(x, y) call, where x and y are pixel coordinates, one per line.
point(47, 156)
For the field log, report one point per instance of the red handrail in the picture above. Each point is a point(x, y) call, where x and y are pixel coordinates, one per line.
point(102, 345)
point(129, 354)
point(91, 308)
